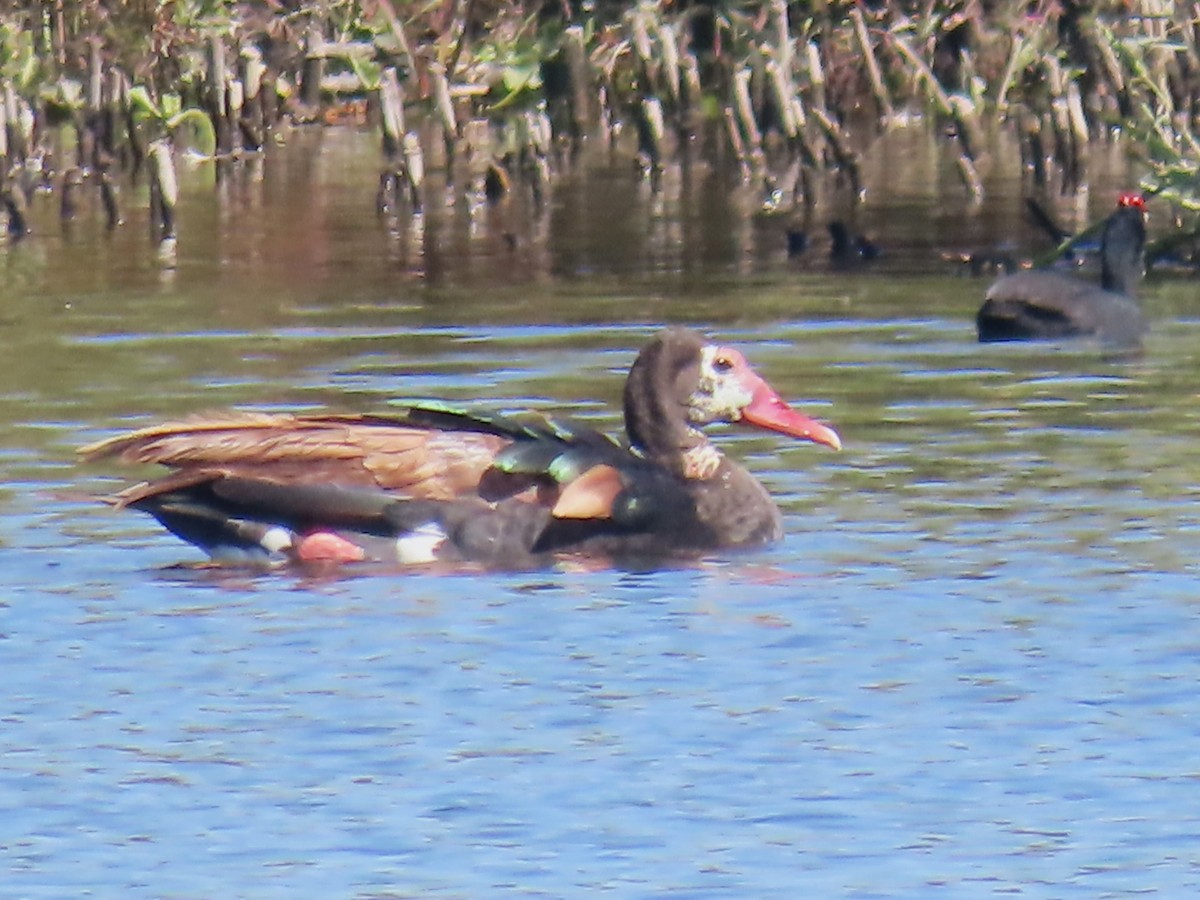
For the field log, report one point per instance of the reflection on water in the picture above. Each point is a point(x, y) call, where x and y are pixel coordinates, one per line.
point(969, 664)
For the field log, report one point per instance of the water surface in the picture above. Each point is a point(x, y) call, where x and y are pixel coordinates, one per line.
point(969, 669)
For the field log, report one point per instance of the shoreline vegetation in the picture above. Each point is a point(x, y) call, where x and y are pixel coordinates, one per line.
point(102, 96)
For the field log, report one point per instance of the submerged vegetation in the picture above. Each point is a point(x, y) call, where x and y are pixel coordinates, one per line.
point(786, 94)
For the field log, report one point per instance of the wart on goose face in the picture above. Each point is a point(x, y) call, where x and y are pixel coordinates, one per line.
point(721, 393)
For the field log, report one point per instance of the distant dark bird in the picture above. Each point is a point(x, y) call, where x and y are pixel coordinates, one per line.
point(434, 483)
point(984, 262)
point(1046, 305)
point(797, 241)
point(846, 248)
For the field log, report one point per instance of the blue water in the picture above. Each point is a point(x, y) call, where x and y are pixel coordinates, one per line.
point(746, 728)
point(969, 670)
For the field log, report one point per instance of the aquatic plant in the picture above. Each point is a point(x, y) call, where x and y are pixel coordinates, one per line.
point(789, 94)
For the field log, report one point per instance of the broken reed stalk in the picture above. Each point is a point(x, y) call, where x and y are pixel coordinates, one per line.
point(115, 118)
point(404, 163)
point(1114, 73)
point(91, 142)
point(736, 142)
point(579, 94)
point(639, 37)
point(783, 35)
point(396, 27)
point(216, 93)
point(414, 168)
point(72, 178)
point(743, 108)
point(845, 157)
point(792, 118)
point(815, 143)
point(6, 92)
point(784, 92)
point(164, 190)
point(7, 113)
point(690, 119)
point(924, 75)
point(391, 129)
point(778, 71)
point(670, 65)
point(534, 138)
point(959, 110)
point(108, 199)
point(252, 122)
point(312, 71)
point(970, 178)
point(12, 155)
point(878, 89)
point(650, 129)
point(444, 108)
point(1067, 152)
point(234, 99)
point(668, 43)
point(1033, 154)
point(1077, 122)
point(134, 140)
point(458, 31)
point(1016, 58)
point(816, 75)
point(13, 200)
point(830, 138)
point(608, 118)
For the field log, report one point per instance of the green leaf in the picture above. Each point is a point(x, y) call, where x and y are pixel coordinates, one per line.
point(517, 78)
point(140, 100)
point(202, 127)
point(368, 72)
point(172, 105)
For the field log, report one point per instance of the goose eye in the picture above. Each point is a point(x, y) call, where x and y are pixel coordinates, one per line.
point(722, 364)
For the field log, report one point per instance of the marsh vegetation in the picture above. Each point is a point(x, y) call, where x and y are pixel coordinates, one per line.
point(785, 96)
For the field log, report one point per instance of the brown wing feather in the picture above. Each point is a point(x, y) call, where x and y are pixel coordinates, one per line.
point(590, 496)
point(176, 481)
point(343, 450)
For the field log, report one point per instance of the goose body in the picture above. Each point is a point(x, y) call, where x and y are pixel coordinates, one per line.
point(429, 482)
point(1051, 305)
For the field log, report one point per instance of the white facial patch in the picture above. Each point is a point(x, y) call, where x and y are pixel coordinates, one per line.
point(420, 545)
point(701, 462)
point(720, 395)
